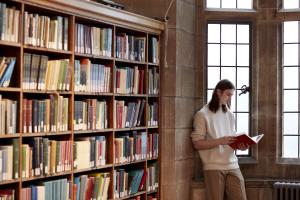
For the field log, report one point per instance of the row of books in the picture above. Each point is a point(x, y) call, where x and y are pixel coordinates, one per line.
point(153, 81)
point(9, 23)
point(129, 80)
point(94, 186)
point(153, 50)
point(130, 47)
point(7, 194)
point(93, 40)
point(128, 114)
point(40, 73)
point(89, 152)
point(46, 32)
point(50, 190)
point(46, 115)
point(152, 145)
point(90, 114)
point(9, 161)
point(130, 147)
point(8, 116)
point(128, 182)
point(7, 65)
point(152, 177)
point(153, 114)
point(89, 77)
point(42, 156)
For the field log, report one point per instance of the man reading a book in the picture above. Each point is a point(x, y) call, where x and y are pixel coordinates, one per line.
point(214, 129)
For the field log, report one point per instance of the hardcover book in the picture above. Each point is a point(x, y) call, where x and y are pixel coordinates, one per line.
point(246, 139)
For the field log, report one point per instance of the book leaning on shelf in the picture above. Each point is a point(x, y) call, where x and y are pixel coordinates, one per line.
point(7, 65)
point(243, 138)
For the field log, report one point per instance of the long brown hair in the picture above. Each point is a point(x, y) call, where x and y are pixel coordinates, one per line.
point(214, 103)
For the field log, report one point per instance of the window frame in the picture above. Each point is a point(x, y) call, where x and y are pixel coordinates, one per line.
point(251, 157)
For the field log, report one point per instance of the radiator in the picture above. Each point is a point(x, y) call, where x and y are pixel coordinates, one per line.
point(287, 190)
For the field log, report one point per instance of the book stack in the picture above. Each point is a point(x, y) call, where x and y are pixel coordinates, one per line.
point(130, 47)
point(93, 186)
point(42, 156)
point(129, 80)
point(9, 23)
point(152, 145)
point(89, 77)
point(128, 182)
point(8, 116)
point(9, 156)
point(130, 147)
point(40, 73)
point(89, 152)
point(128, 114)
point(45, 31)
point(46, 115)
point(153, 81)
point(53, 190)
point(93, 40)
point(90, 114)
point(152, 114)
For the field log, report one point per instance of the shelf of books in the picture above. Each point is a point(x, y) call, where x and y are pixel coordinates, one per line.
point(79, 102)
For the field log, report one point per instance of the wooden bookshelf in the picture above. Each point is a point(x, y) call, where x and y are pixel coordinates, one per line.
point(84, 85)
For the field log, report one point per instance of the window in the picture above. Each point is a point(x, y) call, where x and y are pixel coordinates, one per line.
point(291, 90)
point(228, 56)
point(291, 4)
point(233, 4)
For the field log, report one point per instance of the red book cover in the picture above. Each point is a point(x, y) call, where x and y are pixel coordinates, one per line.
point(243, 138)
point(142, 184)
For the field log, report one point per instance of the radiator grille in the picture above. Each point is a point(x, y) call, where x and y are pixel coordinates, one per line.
point(287, 190)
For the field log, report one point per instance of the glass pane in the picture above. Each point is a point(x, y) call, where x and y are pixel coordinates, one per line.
point(228, 73)
point(290, 123)
point(242, 77)
point(213, 33)
point(213, 3)
point(228, 33)
point(213, 76)
point(228, 4)
point(213, 54)
point(291, 79)
point(287, 4)
point(290, 99)
point(290, 146)
point(244, 4)
point(290, 32)
point(242, 122)
point(243, 55)
point(209, 95)
point(228, 55)
point(243, 33)
point(243, 102)
point(290, 54)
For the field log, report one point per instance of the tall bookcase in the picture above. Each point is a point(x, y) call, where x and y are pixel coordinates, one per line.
point(79, 101)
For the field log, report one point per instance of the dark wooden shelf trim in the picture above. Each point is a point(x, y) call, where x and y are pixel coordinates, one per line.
point(49, 50)
point(46, 176)
point(93, 168)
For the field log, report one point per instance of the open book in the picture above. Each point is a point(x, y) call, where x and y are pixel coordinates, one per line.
point(246, 139)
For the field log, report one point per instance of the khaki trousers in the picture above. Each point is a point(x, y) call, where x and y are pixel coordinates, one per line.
point(224, 184)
